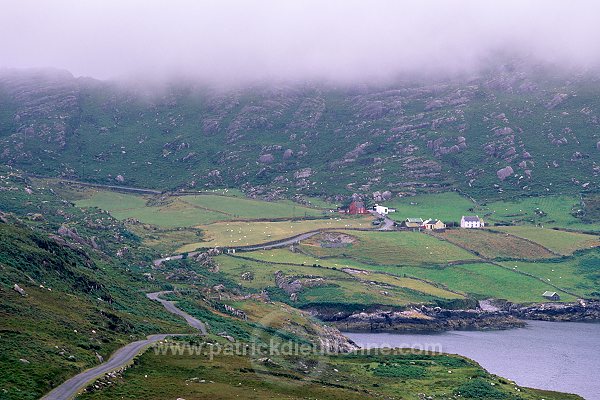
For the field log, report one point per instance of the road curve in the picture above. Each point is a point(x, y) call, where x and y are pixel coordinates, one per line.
point(123, 356)
point(265, 246)
point(170, 306)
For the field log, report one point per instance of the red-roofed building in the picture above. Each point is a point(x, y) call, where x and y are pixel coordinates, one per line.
point(357, 207)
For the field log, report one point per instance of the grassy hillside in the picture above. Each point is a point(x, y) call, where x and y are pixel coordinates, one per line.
point(285, 140)
point(84, 274)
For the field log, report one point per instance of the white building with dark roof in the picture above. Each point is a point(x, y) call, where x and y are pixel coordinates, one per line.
point(471, 222)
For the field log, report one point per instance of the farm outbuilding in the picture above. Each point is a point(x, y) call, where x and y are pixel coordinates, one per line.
point(434, 225)
point(551, 296)
point(413, 223)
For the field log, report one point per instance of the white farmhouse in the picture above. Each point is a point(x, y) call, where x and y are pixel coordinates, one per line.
point(470, 222)
point(382, 209)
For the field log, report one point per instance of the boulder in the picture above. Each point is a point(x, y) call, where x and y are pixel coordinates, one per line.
point(266, 158)
point(387, 195)
point(289, 153)
point(120, 179)
point(503, 131)
point(303, 173)
point(504, 173)
point(510, 152)
point(19, 290)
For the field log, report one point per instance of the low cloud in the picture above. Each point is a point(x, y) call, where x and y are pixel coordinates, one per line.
point(244, 40)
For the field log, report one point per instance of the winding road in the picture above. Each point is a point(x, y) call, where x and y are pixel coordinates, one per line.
point(170, 306)
point(265, 246)
point(122, 356)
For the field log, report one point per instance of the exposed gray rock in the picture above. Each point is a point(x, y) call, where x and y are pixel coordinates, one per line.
point(504, 131)
point(120, 178)
point(504, 173)
point(556, 100)
point(266, 158)
point(19, 290)
point(303, 173)
point(289, 153)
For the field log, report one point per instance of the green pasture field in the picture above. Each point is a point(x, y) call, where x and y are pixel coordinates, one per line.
point(447, 206)
point(579, 275)
point(489, 244)
point(482, 280)
point(288, 257)
point(337, 286)
point(242, 208)
point(548, 211)
point(392, 248)
point(243, 233)
point(192, 210)
point(562, 242)
point(175, 213)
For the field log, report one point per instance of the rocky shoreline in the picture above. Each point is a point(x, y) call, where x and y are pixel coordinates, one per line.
point(490, 315)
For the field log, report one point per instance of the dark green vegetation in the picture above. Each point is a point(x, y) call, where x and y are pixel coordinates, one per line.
point(311, 139)
point(80, 299)
point(355, 376)
point(85, 273)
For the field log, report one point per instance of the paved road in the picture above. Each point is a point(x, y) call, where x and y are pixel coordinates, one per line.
point(388, 224)
point(119, 358)
point(122, 356)
point(170, 306)
point(282, 243)
point(266, 246)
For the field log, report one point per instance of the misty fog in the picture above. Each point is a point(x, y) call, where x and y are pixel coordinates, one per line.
point(237, 40)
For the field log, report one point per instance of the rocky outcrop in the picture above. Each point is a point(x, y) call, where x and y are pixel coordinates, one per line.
point(382, 196)
point(19, 290)
point(488, 314)
point(575, 312)
point(72, 234)
point(303, 173)
point(266, 159)
point(292, 285)
point(287, 154)
point(504, 172)
point(426, 319)
point(556, 100)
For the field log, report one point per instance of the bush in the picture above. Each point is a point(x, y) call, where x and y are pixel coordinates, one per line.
point(400, 371)
point(479, 388)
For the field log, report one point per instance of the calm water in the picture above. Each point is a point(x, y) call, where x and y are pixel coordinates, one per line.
point(561, 356)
